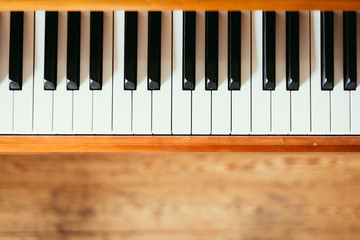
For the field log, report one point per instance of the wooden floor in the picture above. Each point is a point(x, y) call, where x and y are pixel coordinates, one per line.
point(180, 196)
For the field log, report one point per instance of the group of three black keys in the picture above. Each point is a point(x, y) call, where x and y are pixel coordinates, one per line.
point(189, 62)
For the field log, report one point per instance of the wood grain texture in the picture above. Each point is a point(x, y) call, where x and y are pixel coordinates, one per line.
point(184, 196)
point(19, 144)
point(86, 5)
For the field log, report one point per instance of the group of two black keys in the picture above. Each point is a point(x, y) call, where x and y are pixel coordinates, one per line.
point(189, 61)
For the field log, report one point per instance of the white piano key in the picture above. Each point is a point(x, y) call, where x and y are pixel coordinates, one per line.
point(161, 99)
point(122, 100)
point(300, 100)
point(221, 99)
point(43, 99)
point(340, 99)
point(181, 100)
point(142, 96)
point(241, 100)
point(320, 100)
point(63, 99)
point(355, 95)
point(6, 96)
point(280, 96)
point(83, 98)
point(23, 100)
point(261, 100)
point(201, 98)
point(102, 99)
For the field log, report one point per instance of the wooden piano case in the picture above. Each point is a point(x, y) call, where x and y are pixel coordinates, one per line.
point(151, 187)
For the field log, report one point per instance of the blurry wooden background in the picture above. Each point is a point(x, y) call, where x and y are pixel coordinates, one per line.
point(180, 196)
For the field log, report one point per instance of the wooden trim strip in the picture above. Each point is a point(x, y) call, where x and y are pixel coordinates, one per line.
point(87, 5)
point(28, 144)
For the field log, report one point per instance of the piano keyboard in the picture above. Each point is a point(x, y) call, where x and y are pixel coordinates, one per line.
point(180, 73)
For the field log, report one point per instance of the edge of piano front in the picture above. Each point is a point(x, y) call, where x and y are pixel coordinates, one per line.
point(102, 144)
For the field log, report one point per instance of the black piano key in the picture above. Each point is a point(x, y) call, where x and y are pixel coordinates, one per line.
point(154, 50)
point(234, 50)
point(96, 50)
point(189, 41)
point(349, 44)
point(51, 42)
point(16, 50)
point(327, 50)
point(292, 50)
point(130, 64)
point(268, 50)
point(73, 51)
point(211, 50)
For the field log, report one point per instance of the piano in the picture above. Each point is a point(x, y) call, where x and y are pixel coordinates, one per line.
point(285, 74)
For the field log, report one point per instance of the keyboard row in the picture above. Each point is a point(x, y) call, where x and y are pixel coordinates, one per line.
point(179, 73)
point(189, 59)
